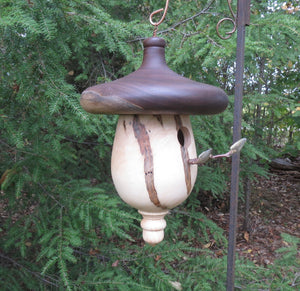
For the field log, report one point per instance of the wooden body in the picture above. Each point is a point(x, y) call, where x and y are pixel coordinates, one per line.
point(150, 167)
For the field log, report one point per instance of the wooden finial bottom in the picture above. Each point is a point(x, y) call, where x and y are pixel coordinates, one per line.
point(153, 225)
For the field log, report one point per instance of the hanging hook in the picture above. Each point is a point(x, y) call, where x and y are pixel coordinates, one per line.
point(232, 20)
point(156, 24)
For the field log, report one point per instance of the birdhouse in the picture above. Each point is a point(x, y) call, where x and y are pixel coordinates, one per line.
point(154, 159)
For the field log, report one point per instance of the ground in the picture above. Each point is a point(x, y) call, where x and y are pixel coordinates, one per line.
point(274, 209)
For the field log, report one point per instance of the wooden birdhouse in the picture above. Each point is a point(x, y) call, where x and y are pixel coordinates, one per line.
point(153, 152)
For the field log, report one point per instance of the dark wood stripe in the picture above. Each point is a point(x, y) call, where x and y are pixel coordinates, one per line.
point(159, 119)
point(185, 158)
point(142, 137)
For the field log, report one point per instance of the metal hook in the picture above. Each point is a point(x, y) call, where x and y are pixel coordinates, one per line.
point(232, 20)
point(156, 24)
point(229, 33)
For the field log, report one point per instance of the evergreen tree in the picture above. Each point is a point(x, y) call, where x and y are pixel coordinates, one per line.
point(63, 225)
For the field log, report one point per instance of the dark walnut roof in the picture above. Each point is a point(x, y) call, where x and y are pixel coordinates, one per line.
point(154, 89)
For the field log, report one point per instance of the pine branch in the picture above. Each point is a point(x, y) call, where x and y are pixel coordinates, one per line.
point(43, 188)
point(188, 19)
point(47, 279)
point(172, 28)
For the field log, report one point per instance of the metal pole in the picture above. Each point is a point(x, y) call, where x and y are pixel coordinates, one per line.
point(243, 14)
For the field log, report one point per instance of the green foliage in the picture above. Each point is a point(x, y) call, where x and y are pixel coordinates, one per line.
point(274, 277)
point(63, 226)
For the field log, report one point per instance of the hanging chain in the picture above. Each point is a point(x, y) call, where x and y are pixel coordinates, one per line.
point(156, 24)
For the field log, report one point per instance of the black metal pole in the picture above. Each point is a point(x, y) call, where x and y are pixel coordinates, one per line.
point(243, 14)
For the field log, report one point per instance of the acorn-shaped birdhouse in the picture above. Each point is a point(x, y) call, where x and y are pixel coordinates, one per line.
point(154, 144)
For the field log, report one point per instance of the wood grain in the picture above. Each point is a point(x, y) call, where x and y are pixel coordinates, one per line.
point(142, 137)
point(185, 157)
point(154, 89)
